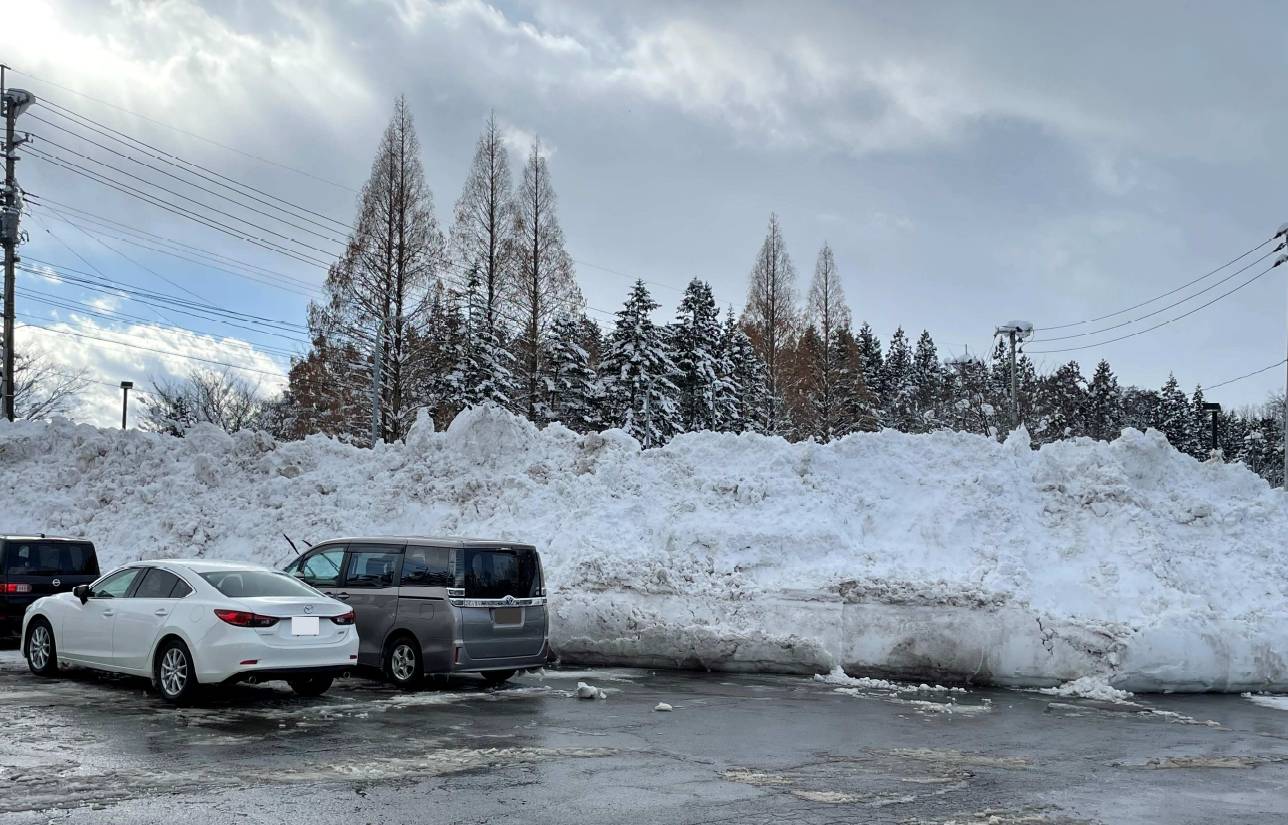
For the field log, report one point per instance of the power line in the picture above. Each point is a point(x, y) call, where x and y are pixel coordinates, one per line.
point(1278, 363)
point(1173, 305)
point(211, 141)
point(1156, 297)
point(143, 348)
point(1259, 275)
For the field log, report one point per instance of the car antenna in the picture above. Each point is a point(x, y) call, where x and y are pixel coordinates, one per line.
point(293, 547)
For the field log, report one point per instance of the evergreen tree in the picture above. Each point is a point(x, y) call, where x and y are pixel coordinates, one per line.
point(637, 373)
point(377, 293)
point(898, 403)
point(543, 285)
point(971, 405)
point(573, 395)
point(856, 409)
point(927, 385)
point(743, 381)
point(873, 364)
point(1201, 445)
point(1103, 414)
point(770, 320)
point(1175, 416)
point(694, 342)
point(1061, 400)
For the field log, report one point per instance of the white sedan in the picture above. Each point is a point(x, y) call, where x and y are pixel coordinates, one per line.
point(185, 623)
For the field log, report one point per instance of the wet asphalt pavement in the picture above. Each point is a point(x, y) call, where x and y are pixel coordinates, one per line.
point(100, 749)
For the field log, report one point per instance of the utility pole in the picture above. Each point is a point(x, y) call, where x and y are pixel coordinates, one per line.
point(1215, 409)
point(1016, 331)
point(1280, 233)
point(126, 386)
point(14, 103)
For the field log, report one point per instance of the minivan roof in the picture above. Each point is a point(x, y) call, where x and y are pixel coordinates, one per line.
point(426, 541)
point(38, 537)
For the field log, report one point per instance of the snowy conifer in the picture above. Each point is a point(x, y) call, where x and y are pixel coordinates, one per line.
point(637, 373)
point(898, 407)
point(1103, 414)
point(927, 386)
point(873, 363)
point(695, 349)
point(573, 394)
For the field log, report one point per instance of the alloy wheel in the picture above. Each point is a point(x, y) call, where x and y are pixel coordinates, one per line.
point(174, 672)
point(403, 662)
point(38, 647)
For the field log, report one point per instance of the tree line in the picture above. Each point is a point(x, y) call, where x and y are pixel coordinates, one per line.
point(417, 317)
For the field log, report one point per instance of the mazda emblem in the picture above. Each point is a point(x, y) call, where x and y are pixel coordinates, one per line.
point(308, 608)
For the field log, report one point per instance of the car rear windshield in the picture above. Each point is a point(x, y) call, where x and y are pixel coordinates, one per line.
point(250, 584)
point(49, 558)
point(497, 572)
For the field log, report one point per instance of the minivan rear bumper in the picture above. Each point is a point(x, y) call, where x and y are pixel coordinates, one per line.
point(462, 663)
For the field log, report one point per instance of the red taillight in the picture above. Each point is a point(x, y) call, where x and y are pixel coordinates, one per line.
point(343, 618)
point(250, 661)
point(242, 618)
point(17, 588)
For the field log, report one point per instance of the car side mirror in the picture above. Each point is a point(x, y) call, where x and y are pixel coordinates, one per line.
point(81, 591)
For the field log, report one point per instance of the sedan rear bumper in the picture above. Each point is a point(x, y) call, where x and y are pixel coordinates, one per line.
point(274, 674)
point(240, 653)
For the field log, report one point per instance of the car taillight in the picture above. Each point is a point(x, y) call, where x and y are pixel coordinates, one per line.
point(242, 618)
point(343, 618)
point(17, 588)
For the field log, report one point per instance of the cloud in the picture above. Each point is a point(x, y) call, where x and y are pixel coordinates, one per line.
point(107, 362)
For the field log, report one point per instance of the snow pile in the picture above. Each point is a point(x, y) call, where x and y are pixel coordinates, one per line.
point(944, 556)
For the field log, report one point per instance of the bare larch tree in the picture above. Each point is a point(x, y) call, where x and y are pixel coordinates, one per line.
point(770, 319)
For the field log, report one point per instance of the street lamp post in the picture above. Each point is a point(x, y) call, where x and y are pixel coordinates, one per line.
point(126, 386)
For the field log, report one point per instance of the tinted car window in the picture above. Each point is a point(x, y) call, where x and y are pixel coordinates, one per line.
point(493, 573)
point(251, 584)
point(427, 567)
point(156, 584)
point(116, 585)
point(372, 565)
point(50, 558)
point(321, 568)
point(180, 589)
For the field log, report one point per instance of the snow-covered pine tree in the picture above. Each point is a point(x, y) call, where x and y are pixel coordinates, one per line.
point(1175, 416)
point(734, 412)
point(770, 320)
point(543, 284)
point(637, 373)
point(899, 408)
point(1103, 414)
point(488, 377)
point(1061, 399)
point(1201, 446)
point(856, 409)
point(376, 294)
point(927, 386)
point(440, 367)
point(873, 364)
point(694, 344)
point(573, 396)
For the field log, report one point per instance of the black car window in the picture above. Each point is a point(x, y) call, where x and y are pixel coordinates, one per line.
point(427, 567)
point(181, 588)
point(373, 565)
point(117, 585)
point(50, 558)
point(156, 584)
point(320, 568)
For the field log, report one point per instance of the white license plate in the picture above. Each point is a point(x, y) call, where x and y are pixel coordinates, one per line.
point(304, 626)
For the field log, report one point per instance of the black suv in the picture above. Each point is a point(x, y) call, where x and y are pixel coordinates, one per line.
point(35, 566)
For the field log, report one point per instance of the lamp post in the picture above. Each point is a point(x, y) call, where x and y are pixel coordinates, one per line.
point(126, 386)
point(1214, 408)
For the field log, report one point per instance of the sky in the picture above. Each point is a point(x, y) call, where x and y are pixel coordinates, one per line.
point(969, 164)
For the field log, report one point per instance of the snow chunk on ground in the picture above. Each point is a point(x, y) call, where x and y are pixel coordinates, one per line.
point(1089, 687)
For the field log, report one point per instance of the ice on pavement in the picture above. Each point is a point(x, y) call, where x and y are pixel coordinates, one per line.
point(943, 557)
point(663, 707)
point(585, 691)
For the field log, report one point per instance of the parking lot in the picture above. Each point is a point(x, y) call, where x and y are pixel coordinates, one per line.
point(98, 749)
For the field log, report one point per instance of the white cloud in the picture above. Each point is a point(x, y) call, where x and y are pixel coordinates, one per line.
point(108, 363)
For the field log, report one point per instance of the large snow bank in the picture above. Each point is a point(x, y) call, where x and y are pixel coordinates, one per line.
point(945, 556)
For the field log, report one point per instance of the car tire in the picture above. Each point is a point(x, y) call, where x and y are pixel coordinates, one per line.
point(311, 685)
point(404, 665)
point(498, 677)
point(40, 649)
point(174, 672)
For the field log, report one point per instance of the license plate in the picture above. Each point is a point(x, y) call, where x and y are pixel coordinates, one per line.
point(304, 626)
point(507, 615)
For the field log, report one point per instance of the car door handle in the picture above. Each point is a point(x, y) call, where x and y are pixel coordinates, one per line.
point(162, 611)
point(109, 612)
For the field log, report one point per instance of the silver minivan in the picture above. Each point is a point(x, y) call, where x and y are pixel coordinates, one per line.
point(436, 605)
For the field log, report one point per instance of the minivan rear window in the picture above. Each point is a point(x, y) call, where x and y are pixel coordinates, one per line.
point(50, 558)
point(497, 572)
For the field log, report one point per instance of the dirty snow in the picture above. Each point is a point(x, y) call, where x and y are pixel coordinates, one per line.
point(944, 557)
point(1089, 687)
